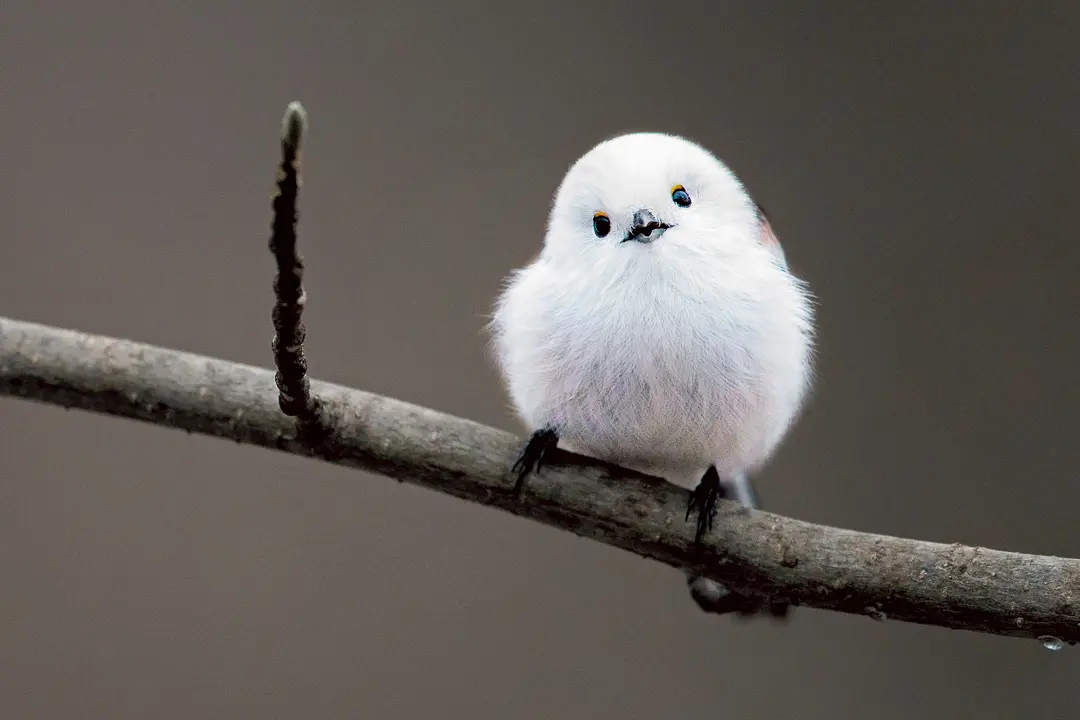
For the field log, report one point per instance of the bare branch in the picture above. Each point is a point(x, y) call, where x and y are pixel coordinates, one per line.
point(753, 552)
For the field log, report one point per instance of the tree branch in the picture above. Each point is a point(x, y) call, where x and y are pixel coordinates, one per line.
point(753, 552)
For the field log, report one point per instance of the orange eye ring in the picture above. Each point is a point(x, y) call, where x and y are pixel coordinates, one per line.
point(680, 197)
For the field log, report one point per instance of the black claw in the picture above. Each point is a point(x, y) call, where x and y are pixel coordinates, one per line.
point(704, 498)
point(532, 457)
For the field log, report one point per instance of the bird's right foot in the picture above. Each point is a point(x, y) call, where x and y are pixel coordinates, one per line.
point(532, 457)
point(703, 499)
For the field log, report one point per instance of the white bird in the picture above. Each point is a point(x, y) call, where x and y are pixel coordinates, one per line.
point(660, 328)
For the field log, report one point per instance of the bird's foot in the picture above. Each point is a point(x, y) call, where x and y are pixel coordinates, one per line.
point(704, 498)
point(711, 596)
point(532, 457)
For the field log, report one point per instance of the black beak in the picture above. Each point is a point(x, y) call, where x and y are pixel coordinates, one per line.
point(646, 228)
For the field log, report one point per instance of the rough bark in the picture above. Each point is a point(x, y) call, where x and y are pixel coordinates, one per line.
point(756, 553)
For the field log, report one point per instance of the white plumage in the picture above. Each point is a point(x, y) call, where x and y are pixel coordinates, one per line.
point(666, 357)
point(669, 353)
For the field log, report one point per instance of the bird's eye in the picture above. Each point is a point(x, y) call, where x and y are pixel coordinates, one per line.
point(601, 224)
point(680, 197)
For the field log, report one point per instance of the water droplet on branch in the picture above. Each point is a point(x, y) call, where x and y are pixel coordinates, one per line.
point(1051, 643)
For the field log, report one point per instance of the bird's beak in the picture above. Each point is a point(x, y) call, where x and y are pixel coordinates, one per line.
point(646, 228)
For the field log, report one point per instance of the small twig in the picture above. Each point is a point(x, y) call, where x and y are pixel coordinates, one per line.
point(295, 396)
point(294, 389)
point(752, 552)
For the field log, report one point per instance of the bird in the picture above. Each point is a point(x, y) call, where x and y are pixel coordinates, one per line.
point(659, 328)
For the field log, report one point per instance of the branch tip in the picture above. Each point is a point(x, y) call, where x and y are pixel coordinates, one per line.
point(293, 126)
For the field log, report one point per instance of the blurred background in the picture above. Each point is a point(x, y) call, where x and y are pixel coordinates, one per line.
point(920, 165)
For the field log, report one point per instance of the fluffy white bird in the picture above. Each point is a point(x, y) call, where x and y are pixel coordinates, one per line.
point(660, 328)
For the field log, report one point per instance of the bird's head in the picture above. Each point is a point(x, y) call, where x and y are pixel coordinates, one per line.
point(649, 194)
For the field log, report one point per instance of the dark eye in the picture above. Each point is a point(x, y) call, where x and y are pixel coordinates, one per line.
point(679, 196)
point(601, 224)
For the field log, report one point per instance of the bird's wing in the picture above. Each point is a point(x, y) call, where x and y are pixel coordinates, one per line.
point(768, 237)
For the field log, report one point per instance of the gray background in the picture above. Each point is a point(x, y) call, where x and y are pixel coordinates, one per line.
point(921, 169)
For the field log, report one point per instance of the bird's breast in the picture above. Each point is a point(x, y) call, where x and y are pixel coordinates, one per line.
point(663, 371)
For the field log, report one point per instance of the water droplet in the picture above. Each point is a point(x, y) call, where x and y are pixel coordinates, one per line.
point(1051, 643)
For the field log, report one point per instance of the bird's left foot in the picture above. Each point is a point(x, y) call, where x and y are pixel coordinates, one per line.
point(532, 457)
point(704, 498)
point(711, 596)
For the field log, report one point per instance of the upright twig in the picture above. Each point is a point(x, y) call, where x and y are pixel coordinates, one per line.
point(294, 389)
point(295, 396)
